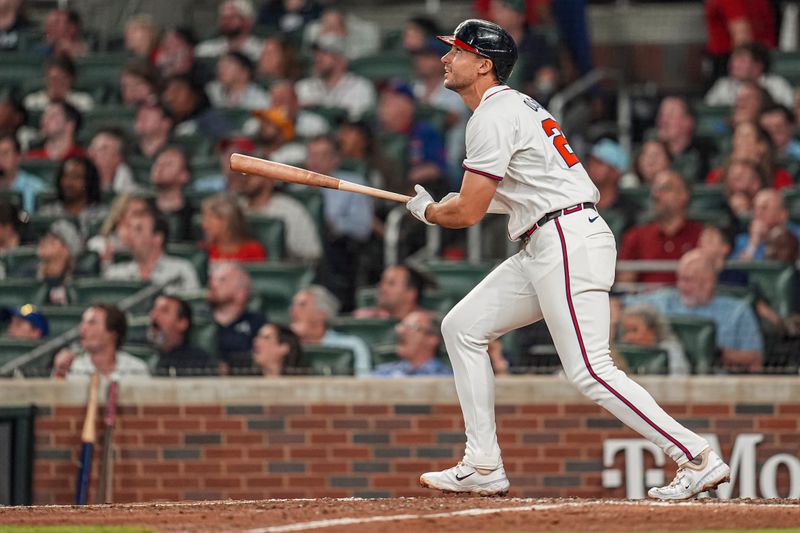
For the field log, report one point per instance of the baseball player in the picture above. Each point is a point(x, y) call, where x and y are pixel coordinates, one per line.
point(520, 163)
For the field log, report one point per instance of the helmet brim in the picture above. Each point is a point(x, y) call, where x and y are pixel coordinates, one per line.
point(455, 41)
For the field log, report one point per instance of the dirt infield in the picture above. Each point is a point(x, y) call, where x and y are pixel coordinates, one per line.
point(451, 513)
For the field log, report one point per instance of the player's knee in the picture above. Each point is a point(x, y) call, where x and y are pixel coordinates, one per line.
point(451, 326)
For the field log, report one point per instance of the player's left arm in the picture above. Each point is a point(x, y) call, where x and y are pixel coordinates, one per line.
point(467, 207)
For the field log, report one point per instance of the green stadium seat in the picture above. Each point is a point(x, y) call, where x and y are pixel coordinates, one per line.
point(373, 331)
point(15, 68)
point(137, 330)
point(395, 147)
point(11, 348)
point(773, 280)
point(146, 353)
point(707, 197)
point(710, 216)
point(329, 361)
point(435, 116)
point(20, 261)
point(204, 335)
point(112, 115)
point(270, 232)
point(192, 253)
point(384, 353)
point(44, 168)
point(11, 197)
point(712, 121)
point(61, 319)
point(786, 64)
point(791, 196)
point(93, 290)
point(644, 359)
point(383, 67)
point(637, 195)
point(195, 145)
point(17, 292)
point(457, 278)
point(276, 284)
point(699, 339)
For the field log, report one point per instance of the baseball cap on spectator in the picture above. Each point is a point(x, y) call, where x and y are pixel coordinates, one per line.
point(67, 233)
point(29, 313)
point(280, 118)
point(610, 153)
point(399, 87)
point(245, 8)
point(329, 42)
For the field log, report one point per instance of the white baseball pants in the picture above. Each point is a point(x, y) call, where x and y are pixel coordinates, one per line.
point(563, 275)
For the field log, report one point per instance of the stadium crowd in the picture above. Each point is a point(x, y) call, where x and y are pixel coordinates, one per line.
point(114, 175)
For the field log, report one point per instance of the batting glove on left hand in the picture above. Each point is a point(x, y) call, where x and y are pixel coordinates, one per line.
point(420, 203)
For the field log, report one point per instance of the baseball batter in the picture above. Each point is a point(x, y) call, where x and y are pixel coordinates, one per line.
point(520, 163)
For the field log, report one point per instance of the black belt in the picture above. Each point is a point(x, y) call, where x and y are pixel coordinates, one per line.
point(555, 214)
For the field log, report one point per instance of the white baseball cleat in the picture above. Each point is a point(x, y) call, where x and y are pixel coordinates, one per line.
point(693, 478)
point(466, 478)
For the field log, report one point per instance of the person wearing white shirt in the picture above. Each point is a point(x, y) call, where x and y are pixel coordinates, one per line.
point(235, 20)
point(234, 86)
point(59, 73)
point(749, 62)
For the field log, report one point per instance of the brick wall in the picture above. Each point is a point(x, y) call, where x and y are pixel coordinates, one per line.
point(233, 449)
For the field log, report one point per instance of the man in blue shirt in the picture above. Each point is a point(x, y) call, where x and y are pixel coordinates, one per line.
point(14, 178)
point(738, 335)
point(417, 343)
point(769, 211)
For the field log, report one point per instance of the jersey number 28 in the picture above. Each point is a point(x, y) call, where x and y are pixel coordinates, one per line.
point(552, 129)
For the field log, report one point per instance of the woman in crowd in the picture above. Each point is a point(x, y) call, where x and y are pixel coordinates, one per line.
point(112, 235)
point(644, 326)
point(58, 252)
point(751, 142)
point(227, 236)
point(277, 351)
point(652, 158)
point(78, 188)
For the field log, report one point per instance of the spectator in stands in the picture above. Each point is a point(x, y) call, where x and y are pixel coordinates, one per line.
point(749, 62)
point(58, 127)
point(652, 158)
point(59, 75)
point(58, 251)
point(311, 312)
point(113, 234)
point(429, 90)
point(779, 121)
point(306, 123)
point(641, 325)
point(288, 17)
point(781, 244)
point(169, 175)
point(78, 194)
point(228, 295)
point(13, 24)
point(675, 125)
point(62, 34)
point(669, 236)
point(102, 332)
point(300, 232)
point(189, 107)
point(738, 334)
point(418, 341)
point(361, 37)
point(419, 30)
point(153, 127)
point(769, 211)
point(139, 83)
point(605, 165)
point(235, 20)
point(730, 23)
point(10, 227)
point(752, 143)
point(348, 222)
point(276, 137)
point(751, 98)
point(233, 86)
point(226, 232)
point(107, 152)
point(13, 117)
point(227, 180)
point(425, 162)
point(170, 324)
point(359, 147)
point(147, 240)
point(331, 84)
point(741, 179)
point(26, 322)
point(399, 294)
point(141, 36)
point(716, 241)
point(13, 178)
point(277, 351)
point(174, 55)
point(278, 60)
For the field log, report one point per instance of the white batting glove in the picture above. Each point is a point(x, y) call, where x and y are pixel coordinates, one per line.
point(420, 203)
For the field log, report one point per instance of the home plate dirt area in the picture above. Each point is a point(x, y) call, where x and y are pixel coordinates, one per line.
point(448, 513)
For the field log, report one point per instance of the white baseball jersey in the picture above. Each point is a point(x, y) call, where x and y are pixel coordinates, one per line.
point(511, 138)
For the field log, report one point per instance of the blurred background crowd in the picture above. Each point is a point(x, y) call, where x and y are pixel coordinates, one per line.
point(128, 245)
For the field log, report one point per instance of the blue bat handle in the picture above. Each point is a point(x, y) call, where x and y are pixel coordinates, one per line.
point(84, 474)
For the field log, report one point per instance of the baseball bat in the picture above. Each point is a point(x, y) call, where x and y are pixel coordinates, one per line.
point(87, 443)
point(105, 489)
point(278, 171)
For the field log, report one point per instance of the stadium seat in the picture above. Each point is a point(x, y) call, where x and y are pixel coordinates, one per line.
point(21, 261)
point(637, 195)
point(329, 361)
point(699, 340)
point(791, 196)
point(707, 197)
point(395, 147)
point(644, 359)
point(270, 232)
point(616, 222)
point(457, 278)
point(62, 318)
point(710, 216)
point(434, 116)
point(137, 330)
point(11, 348)
point(146, 353)
point(111, 115)
point(773, 280)
point(384, 353)
point(11, 197)
point(93, 290)
point(333, 115)
point(712, 121)
point(17, 292)
point(15, 68)
point(276, 284)
point(383, 67)
point(786, 64)
point(192, 253)
point(204, 335)
point(44, 168)
point(373, 331)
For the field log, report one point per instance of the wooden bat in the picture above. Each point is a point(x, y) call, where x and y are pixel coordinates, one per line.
point(87, 443)
point(105, 489)
point(278, 171)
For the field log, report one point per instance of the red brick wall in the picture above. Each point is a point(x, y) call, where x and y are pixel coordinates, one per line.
point(196, 452)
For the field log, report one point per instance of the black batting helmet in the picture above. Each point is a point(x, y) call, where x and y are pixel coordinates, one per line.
point(488, 40)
